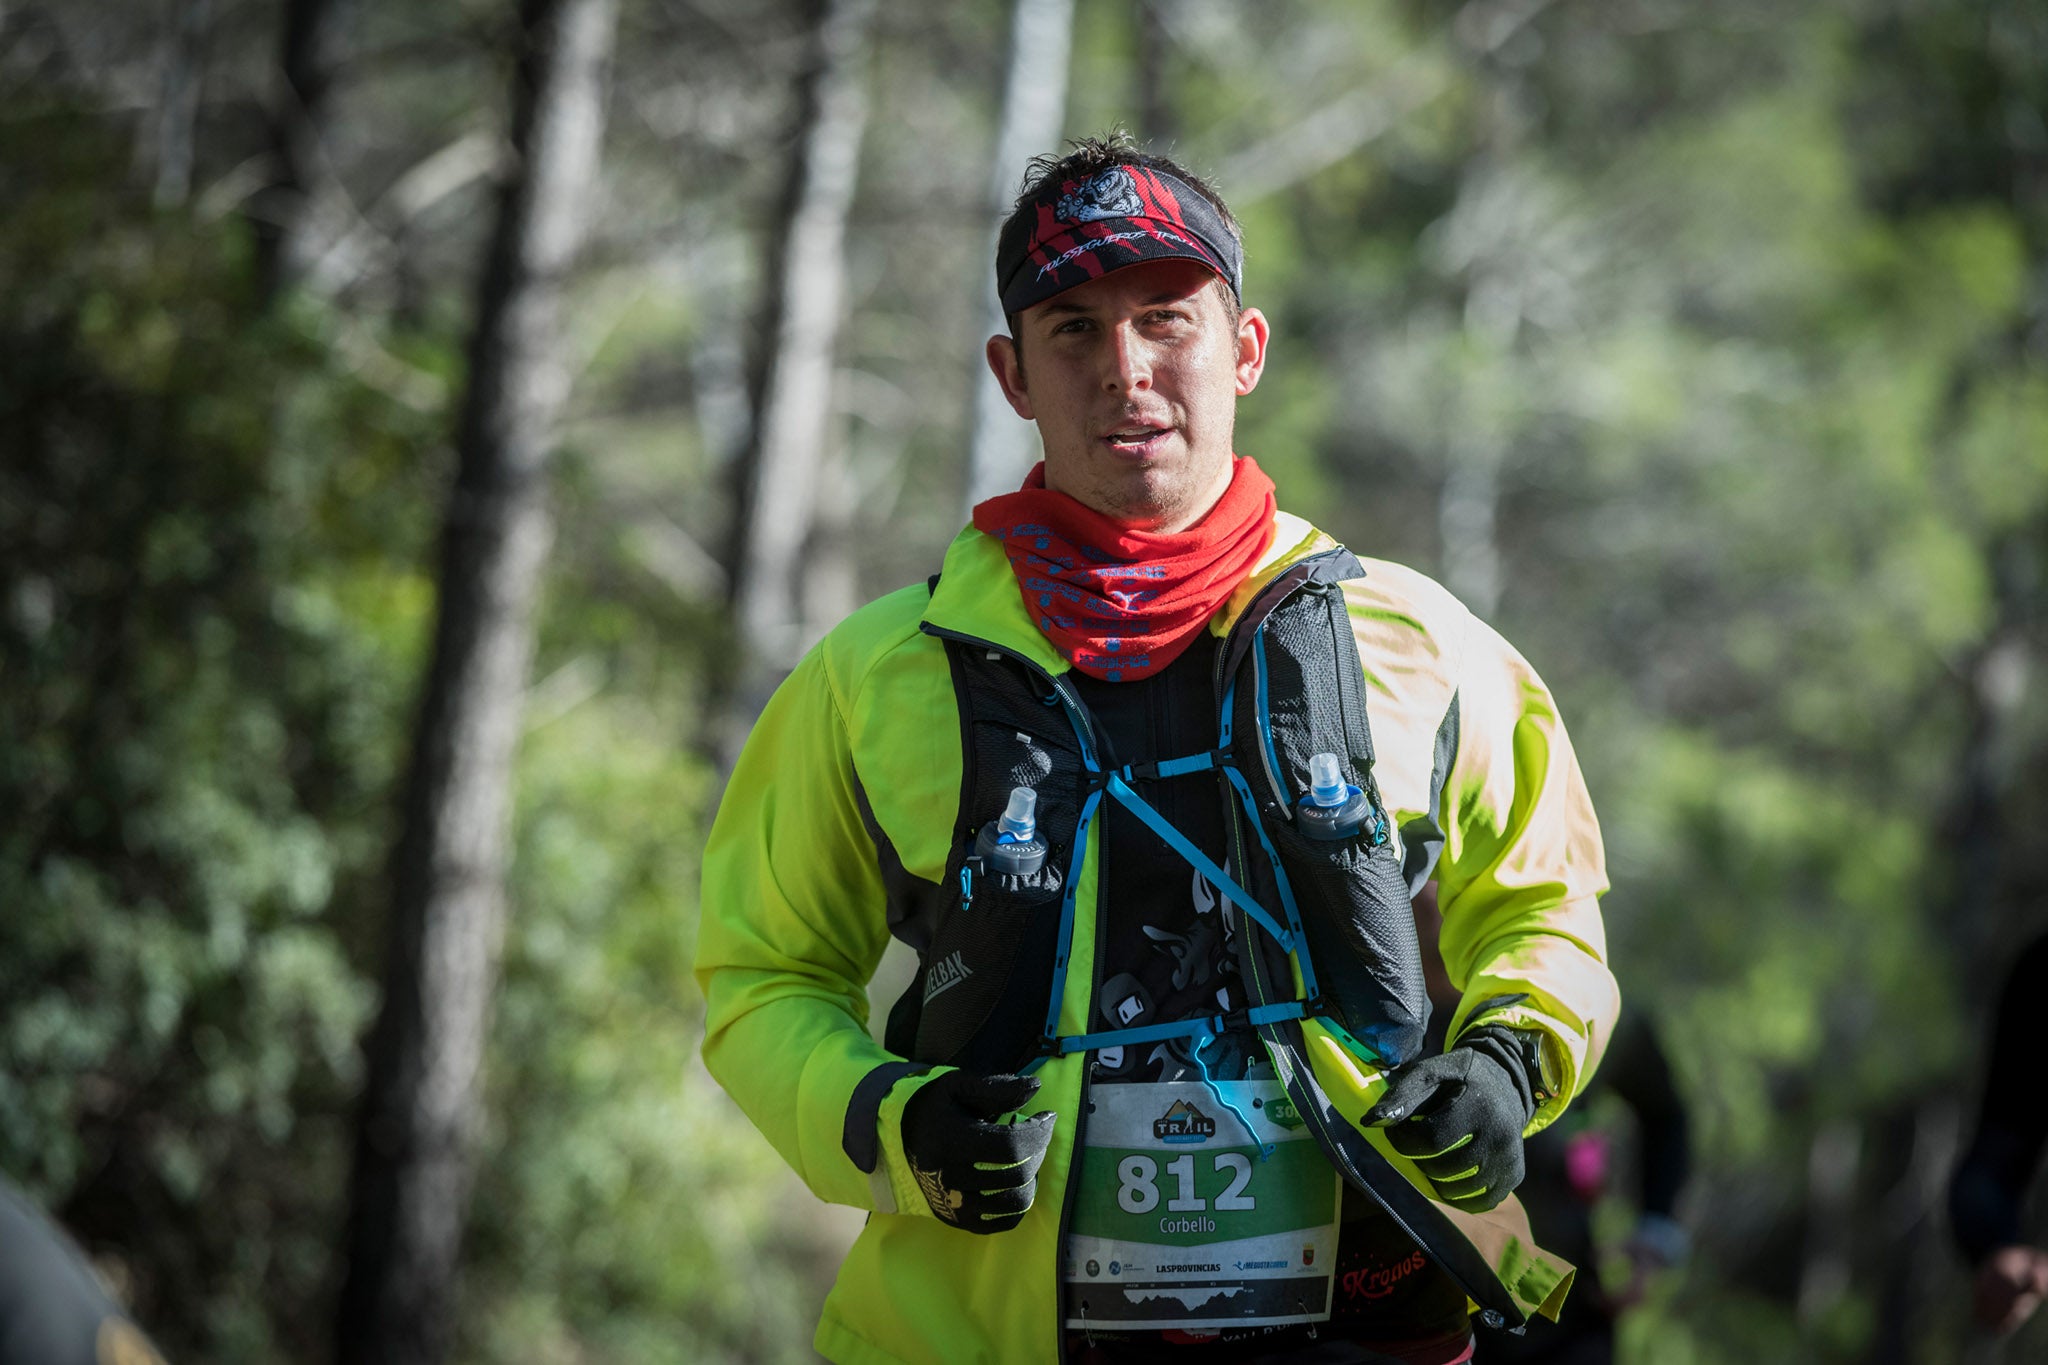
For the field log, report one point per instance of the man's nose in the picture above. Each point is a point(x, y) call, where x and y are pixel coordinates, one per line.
point(1127, 363)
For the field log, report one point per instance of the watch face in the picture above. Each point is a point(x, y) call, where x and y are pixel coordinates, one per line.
point(1543, 1068)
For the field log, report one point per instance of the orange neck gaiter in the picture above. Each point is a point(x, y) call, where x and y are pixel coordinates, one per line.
point(1118, 603)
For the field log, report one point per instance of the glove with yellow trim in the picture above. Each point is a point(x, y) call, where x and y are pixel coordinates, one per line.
point(1459, 1117)
point(977, 1173)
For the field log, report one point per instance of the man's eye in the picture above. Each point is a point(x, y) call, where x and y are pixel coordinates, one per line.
point(1169, 316)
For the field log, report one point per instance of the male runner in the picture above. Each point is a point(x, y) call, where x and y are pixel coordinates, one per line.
point(1142, 775)
point(1988, 1191)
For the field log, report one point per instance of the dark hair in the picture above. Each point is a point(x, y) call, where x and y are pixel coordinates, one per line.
point(1092, 155)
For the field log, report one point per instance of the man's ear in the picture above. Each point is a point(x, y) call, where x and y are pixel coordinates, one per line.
point(1252, 335)
point(1008, 368)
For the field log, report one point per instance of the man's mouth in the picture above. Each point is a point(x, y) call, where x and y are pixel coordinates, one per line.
point(1136, 439)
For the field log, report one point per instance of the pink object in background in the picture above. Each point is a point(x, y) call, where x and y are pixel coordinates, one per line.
point(1587, 1157)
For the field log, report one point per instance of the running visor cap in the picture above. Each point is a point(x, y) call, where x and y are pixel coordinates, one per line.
point(1075, 231)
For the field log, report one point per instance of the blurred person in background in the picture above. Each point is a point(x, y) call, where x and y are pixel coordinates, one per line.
point(1101, 1067)
point(1987, 1194)
point(53, 1309)
point(1570, 1169)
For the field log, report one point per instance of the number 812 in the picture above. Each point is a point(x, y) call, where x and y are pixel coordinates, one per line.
point(1138, 1192)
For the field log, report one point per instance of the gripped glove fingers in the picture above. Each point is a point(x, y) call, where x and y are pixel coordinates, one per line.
point(977, 1172)
point(1459, 1117)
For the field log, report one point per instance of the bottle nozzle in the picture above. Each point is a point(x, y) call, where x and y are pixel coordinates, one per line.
point(1009, 845)
point(1326, 785)
point(1020, 816)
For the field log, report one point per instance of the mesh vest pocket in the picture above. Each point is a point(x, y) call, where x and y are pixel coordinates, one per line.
point(982, 986)
point(1361, 938)
point(979, 997)
point(1352, 895)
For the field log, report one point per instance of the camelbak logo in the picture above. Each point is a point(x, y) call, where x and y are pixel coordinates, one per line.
point(1183, 1123)
point(1110, 194)
point(948, 972)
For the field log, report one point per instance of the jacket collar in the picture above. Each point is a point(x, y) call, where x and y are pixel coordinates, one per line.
point(977, 593)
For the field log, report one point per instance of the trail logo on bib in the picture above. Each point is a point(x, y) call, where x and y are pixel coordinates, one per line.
point(1203, 1222)
point(1183, 1123)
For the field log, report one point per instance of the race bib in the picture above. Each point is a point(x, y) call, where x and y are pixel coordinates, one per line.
point(1179, 1222)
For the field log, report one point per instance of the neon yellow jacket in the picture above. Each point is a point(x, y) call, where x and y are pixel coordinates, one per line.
point(795, 917)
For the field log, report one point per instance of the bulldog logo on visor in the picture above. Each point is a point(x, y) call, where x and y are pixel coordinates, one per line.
point(1109, 194)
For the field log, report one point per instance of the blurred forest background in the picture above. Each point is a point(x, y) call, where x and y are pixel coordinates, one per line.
point(1701, 348)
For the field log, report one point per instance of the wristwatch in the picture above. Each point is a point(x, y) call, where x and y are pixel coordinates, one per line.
point(1532, 1049)
point(1539, 1063)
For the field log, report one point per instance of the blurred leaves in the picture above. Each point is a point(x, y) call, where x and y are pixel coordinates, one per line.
point(615, 1211)
point(194, 756)
point(1740, 310)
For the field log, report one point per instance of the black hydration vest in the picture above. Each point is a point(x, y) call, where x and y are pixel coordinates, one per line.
point(995, 948)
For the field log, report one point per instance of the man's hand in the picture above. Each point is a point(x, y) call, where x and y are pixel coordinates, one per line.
point(2010, 1286)
point(977, 1172)
point(1459, 1118)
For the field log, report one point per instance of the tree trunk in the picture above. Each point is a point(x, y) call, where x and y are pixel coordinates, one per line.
point(1157, 126)
point(282, 212)
point(828, 591)
point(1475, 453)
point(1976, 901)
point(1467, 515)
point(778, 476)
point(176, 127)
point(421, 1104)
point(1495, 277)
point(1034, 109)
point(1832, 1165)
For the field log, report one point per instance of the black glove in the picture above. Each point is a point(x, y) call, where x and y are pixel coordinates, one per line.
point(977, 1172)
point(1459, 1117)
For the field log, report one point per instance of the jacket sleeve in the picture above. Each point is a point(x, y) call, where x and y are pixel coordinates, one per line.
point(793, 924)
point(1522, 870)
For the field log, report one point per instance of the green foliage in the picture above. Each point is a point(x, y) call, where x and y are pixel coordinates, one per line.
point(627, 1212)
point(197, 736)
point(1741, 310)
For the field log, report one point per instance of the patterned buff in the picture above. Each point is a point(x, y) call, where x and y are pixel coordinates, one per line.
point(1122, 604)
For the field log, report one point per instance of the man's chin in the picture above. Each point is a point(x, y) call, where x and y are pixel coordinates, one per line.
point(1158, 490)
point(1147, 504)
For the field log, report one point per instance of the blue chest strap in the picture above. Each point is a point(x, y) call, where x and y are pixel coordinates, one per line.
point(1289, 936)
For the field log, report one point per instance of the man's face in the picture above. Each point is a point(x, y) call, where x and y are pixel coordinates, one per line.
point(1133, 380)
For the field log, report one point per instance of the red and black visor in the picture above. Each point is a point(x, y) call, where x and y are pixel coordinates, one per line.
point(1080, 230)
